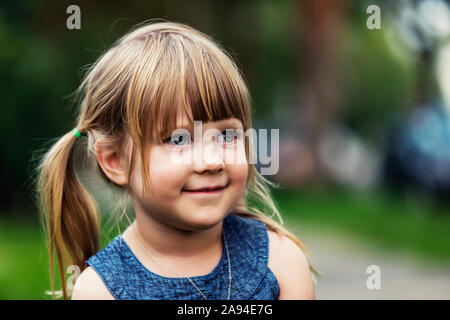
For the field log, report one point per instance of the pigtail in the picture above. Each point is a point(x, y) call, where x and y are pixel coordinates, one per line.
point(69, 214)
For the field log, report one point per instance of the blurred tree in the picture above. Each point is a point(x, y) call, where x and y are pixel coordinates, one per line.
point(318, 35)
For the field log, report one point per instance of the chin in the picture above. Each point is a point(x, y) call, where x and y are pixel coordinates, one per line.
point(205, 220)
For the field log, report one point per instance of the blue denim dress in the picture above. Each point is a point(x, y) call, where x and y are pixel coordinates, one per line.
point(248, 244)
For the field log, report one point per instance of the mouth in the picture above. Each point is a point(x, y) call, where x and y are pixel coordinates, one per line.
point(206, 190)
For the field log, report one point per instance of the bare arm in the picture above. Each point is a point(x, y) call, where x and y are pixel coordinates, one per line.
point(89, 286)
point(291, 267)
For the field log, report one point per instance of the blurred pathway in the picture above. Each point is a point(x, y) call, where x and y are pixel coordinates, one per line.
point(344, 262)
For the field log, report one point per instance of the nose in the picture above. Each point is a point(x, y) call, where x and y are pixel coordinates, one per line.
point(211, 159)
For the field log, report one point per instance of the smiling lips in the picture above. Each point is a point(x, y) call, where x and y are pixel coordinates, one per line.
point(207, 189)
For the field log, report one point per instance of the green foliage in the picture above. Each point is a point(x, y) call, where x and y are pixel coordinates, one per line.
point(376, 83)
point(389, 221)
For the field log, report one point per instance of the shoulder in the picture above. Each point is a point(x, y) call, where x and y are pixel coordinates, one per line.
point(291, 267)
point(89, 286)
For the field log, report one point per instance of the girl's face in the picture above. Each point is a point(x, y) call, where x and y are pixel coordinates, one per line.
point(173, 200)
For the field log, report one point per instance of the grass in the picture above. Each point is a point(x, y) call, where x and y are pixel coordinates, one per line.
point(23, 271)
point(389, 221)
point(383, 219)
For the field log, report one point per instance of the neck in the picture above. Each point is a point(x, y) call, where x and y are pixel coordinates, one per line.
point(164, 239)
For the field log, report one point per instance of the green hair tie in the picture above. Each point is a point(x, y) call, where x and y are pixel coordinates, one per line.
point(77, 133)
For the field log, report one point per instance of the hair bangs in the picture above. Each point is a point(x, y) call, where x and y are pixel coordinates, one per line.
point(196, 79)
point(213, 89)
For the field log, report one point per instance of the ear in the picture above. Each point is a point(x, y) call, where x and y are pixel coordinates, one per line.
point(111, 163)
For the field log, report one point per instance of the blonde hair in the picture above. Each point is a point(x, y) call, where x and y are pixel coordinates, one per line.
point(132, 92)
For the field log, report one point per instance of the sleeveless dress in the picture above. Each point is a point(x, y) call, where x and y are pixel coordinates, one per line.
point(248, 244)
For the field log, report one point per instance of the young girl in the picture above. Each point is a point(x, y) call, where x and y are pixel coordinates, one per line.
point(196, 234)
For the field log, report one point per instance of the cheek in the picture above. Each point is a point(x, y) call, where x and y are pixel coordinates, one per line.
point(238, 176)
point(238, 173)
point(169, 177)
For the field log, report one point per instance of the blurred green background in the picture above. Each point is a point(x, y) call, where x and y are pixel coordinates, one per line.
point(363, 116)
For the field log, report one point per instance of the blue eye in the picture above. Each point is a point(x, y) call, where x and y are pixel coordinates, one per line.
point(178, 140)
point(227, 136)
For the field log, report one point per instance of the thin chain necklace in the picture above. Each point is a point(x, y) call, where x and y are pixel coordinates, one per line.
point(190, 280)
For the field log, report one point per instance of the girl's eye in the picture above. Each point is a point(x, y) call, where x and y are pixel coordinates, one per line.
point(178, 140)
point(227, 136)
